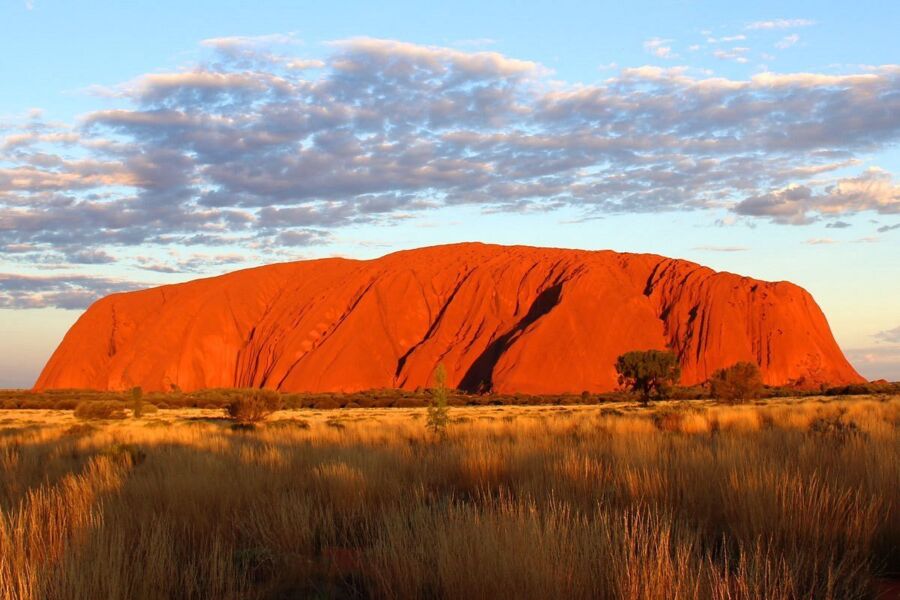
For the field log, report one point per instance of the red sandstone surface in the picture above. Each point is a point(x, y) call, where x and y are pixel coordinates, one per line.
point(507, 319)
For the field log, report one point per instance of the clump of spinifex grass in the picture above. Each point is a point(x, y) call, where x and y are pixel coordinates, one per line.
point(681, 500)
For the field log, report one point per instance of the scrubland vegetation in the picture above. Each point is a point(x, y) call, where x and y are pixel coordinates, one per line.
point(793, 498)
point(390, 398)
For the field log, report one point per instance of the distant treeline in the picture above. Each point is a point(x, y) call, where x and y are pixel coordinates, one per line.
point(390, 398)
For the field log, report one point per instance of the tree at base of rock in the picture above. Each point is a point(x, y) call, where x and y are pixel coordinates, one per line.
point(650, 373)
point(737, 383)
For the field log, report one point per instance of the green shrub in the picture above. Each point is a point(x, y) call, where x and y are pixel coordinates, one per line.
point(650, 373)
point(99, 410)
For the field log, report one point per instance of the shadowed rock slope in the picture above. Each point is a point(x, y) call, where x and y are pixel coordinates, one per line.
point(508, 319)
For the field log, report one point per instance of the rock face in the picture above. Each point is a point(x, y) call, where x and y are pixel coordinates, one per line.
point(507, 319)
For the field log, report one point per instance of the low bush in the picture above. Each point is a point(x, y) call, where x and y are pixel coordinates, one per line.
point(99, 410)
point(253, 407)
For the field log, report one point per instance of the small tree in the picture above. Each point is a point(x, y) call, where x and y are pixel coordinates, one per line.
point(438, 407)
point(648, 372)
point(737, 383)
point(137, 402)
point(253, 406)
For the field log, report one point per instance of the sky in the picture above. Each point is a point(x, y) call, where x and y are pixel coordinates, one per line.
point(145, 143)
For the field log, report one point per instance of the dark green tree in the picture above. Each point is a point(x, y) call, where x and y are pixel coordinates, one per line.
point(650, 373)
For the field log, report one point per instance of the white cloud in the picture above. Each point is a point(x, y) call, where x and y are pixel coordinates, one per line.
point(738, 54)
point(780, 24)
point(660, 48)
point(728, 38)
point(787, 41)
point(240, 41)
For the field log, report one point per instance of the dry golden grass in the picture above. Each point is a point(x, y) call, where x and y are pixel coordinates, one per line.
point(784, 499)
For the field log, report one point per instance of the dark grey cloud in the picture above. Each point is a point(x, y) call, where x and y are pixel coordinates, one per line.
point(257, 147)
point(886, 228)
point(302, 237)
point(89, 257)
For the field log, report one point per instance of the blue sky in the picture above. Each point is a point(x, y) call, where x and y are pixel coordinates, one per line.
point(146, 143)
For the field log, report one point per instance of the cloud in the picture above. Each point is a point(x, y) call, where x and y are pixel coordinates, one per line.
point(787, 41)
point(737, 54)
point(780, 24)
point(889, 335)
point(873, 190)
point(886, 228)
point(265, 145)
point(302, 237)
point(364, 51)
point(838, 225)
point(876, 362)
point(195, 263)
point(820, 241)
point(727, 38)
point(90, 257)
point(245, 41)
point(58, 291)
point(659, 48)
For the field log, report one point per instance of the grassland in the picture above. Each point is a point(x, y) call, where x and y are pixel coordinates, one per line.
point(788, 498)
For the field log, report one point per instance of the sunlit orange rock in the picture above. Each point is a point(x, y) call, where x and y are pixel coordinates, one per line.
point(508, 319)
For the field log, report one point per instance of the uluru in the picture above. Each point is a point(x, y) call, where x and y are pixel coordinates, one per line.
point(499, 318)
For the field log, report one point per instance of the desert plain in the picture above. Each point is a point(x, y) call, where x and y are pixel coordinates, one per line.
point(777, 498)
